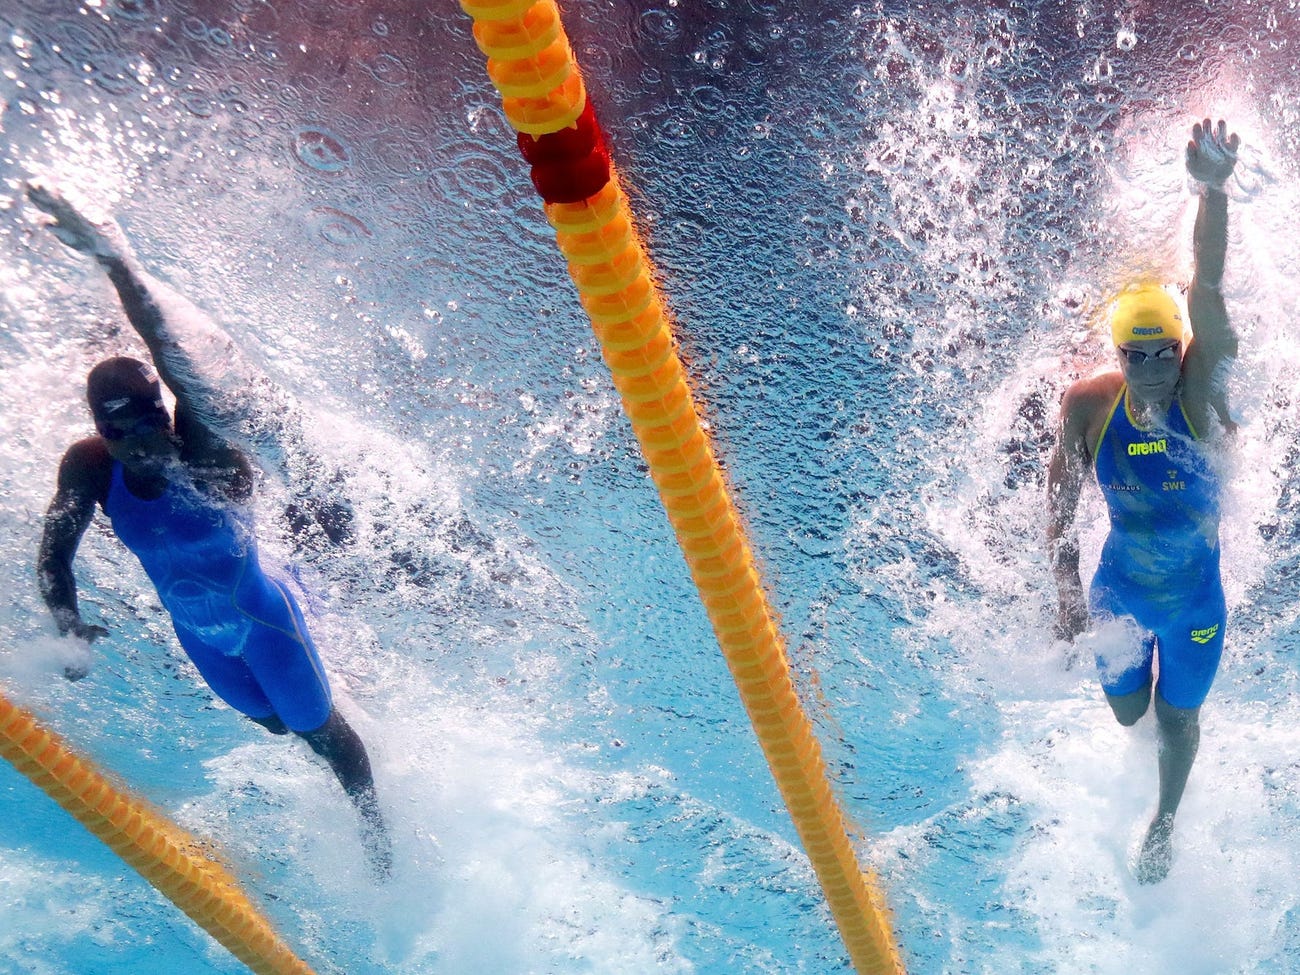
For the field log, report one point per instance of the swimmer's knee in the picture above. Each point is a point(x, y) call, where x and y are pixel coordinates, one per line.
point(1130, 717)
point(325, 727)
point(271, 723)
point(1129, 708)
point(322, 732)
point(323, 735)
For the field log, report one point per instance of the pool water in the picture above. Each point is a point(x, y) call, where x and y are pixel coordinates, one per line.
point(887, 232)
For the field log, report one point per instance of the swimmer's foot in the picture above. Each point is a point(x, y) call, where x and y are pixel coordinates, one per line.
point(379, 850)
point(374, 836)
point(1157, 852)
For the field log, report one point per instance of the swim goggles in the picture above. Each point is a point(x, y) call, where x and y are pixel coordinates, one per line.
point(140, 427)
point(1136, 357)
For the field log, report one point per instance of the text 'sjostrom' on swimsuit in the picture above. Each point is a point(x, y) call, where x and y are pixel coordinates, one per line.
point(242, 628)
point(1160, 562)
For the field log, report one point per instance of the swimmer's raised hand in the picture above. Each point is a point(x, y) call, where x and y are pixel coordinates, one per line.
point(1212, 153)
point(98, 238)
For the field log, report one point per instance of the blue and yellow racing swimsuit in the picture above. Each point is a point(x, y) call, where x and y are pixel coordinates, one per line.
point(243, 629)
point(1160, 563)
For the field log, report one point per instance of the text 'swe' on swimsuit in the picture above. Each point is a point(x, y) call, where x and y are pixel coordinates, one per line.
point(1160, 562)
point(242, 628)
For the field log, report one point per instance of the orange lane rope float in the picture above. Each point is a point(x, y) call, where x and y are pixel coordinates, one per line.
point(163, 853)
point(532, 65)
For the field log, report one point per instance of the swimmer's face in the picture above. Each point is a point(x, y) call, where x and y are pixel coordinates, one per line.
point(141, 441)
point(1151, 367)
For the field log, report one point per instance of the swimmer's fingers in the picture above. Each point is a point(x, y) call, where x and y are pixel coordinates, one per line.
point(42, 196)
point(49, 200)
point(1212, 153)
point(52, 203)
point(72, 227)
point(1224, 144)
point(1229, 142)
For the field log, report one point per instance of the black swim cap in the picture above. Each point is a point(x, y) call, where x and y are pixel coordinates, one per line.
point(123, 385)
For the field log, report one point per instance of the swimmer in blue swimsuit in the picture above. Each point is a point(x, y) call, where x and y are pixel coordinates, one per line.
point(1146, 431)
point(177, 494)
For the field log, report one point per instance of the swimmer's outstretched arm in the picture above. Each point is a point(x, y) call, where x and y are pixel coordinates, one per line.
point(214, 383)
point(1211, 158)
point(198, 361)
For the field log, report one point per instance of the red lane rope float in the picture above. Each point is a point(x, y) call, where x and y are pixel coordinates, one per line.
point(562, 141)
point(163, 853)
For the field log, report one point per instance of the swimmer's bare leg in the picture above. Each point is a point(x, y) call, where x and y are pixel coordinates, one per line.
point(1179, 732)
point(1128, 708)
point(341, 747)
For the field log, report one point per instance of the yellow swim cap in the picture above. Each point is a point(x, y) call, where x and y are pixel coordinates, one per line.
point(1143, 313)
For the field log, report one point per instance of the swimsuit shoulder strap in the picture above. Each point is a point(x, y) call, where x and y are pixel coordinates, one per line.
point(1120, 397)
point(1182, 411)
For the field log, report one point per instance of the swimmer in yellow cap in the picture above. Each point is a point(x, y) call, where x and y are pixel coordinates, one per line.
point(1143, 431)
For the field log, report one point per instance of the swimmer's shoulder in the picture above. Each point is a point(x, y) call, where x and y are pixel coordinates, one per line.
point(87, 470)
point(1091, 396)
point(1086, 406)
point(213, 461)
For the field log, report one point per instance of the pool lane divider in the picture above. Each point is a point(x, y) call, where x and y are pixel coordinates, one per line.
point(532, 65)
point(163, 853)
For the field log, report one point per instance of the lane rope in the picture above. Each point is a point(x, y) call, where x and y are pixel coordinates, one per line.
point(531, 63)
point(167, 856)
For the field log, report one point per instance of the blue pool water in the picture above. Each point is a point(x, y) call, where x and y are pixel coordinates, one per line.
point(885, 230)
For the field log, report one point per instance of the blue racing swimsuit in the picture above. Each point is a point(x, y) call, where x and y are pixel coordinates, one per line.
point(242, 629)
point(1160, 563)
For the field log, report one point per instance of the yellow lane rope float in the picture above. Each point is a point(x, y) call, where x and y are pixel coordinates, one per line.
point(532, 65)
point(163, 853)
